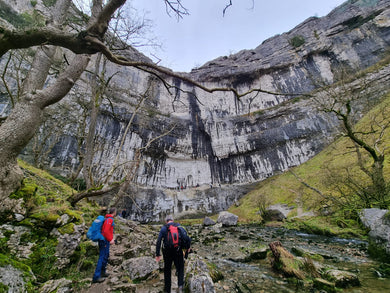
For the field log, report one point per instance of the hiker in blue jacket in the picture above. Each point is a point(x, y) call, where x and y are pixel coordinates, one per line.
point(172, 253)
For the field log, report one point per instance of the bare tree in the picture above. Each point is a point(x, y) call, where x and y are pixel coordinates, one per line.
point(37, 93)
point(349, 101)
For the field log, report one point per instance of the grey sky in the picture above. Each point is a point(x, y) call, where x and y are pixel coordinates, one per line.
point(205, 34)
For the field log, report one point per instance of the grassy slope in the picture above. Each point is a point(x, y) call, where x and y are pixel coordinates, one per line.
point(286, 188)
point(45, 200)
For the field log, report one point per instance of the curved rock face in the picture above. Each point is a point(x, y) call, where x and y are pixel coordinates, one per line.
point(218, 138)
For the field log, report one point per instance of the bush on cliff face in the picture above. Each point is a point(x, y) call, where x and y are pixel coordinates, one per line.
point(297, 41)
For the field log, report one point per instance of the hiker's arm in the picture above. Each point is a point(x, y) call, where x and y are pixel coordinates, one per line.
point(158, 244)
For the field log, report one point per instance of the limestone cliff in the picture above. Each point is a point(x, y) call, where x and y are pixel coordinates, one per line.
point(220, 139)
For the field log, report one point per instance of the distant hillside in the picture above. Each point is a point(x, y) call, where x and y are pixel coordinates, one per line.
point(326, 172)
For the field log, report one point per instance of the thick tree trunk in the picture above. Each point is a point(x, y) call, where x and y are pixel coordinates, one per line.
point(17, 130)
point(24, 120)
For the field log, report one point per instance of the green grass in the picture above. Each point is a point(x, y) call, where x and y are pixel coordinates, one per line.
point(321, 173)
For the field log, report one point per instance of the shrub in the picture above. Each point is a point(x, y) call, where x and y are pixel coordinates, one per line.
point(297, 41)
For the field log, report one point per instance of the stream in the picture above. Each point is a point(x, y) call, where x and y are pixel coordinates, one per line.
point(228, 247)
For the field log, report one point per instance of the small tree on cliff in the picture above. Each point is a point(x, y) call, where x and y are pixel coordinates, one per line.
point(54, 41)
point(349, 102)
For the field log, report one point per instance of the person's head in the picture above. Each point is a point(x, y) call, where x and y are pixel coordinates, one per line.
point(112, 211)
point(169, 218)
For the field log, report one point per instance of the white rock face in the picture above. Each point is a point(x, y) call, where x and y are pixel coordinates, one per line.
point(215, 137)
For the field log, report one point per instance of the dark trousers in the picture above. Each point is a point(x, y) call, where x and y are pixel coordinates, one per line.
point(173, 256)
point(104, 253)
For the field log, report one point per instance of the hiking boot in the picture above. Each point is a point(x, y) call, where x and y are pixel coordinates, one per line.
point(100, 280)
point(105, 275)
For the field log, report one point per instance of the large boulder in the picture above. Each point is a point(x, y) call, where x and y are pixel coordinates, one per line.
point(141, 268)
point(378, 221)
point(197, 276)
point(208, 222)
point(227, 219)
point(14, 278)
point(67, 243)
point(277, 212)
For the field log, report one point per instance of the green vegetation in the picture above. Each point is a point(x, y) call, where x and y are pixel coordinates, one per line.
point(23, 20)
point(325, 173)
point(297, 41)
point(49, 3)
point(45, 201)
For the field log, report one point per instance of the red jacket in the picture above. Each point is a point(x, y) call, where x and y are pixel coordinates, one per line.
point(108, 227)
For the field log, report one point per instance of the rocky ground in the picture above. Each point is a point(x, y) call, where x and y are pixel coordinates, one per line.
point(237, 257)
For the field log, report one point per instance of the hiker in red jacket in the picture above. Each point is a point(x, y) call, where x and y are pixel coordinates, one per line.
point(104, 247)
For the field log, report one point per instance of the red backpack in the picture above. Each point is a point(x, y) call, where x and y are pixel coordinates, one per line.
point(173, 236)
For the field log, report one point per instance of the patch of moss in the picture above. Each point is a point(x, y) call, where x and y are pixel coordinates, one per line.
point(43, 258)
point(45, 219)
point(49, 3)
point(26, 222)
point(26, 192)
point(378, 251)
point(3, 288)
point(384, 269)
point(76, 216)
point(4, 246)
point(215, 274)
point(39, 200)
point(6, 260)
point(66, 229)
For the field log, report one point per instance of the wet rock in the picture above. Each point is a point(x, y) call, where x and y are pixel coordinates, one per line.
point(140, 268)
point(208, 222)
point(227, 219)
point(325, 285)
point(242, 288)
point(285, 262)
point(343, 279)
point(260, 253)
